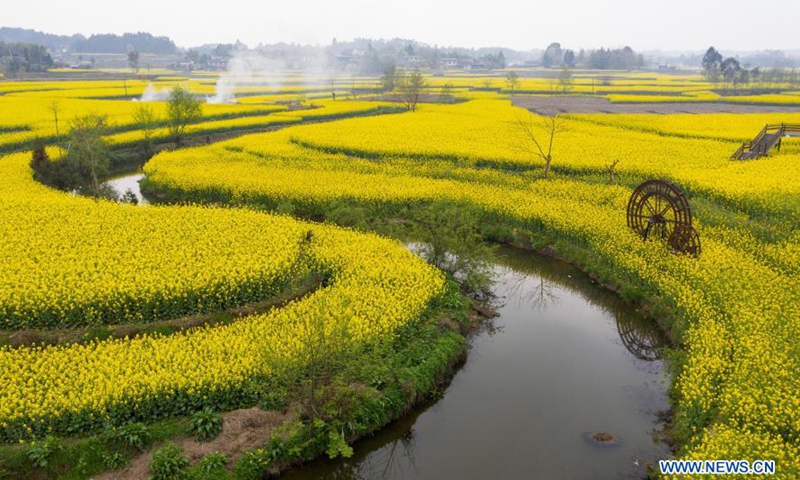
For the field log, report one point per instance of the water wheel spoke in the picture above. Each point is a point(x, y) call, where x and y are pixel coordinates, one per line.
point(659, 208)
point(666, 209)
point(649, 206)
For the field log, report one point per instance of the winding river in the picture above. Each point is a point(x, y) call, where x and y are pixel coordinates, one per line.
point(563, 360)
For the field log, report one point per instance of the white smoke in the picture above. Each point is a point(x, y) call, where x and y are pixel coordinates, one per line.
point(153, 94)
point(249, 68)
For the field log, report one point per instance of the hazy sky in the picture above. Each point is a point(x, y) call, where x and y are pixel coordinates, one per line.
point(521, 24)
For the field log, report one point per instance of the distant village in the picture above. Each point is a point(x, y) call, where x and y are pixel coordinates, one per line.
point(23, 50)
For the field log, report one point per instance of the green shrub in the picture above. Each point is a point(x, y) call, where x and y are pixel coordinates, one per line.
point(169, 463)
point(213, 462)
point(113, 461)
point(205, 424)
point(252, 465)
point(40, 452)
point(134, 435)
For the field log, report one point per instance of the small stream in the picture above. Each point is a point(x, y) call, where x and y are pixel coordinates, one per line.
point(130, 182)
point(564, 358)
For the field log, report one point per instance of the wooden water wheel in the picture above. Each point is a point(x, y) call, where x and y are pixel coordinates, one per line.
point(659, 209)
point(685, 239)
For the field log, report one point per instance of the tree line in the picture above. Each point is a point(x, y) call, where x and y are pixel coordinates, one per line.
point(86, 156)
point(103, 43)
point(732, 74)
point(24, 57)
point(601, 59)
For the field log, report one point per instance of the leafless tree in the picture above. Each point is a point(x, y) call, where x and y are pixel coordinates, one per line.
point(565, 79)
point(408, 88)
point(612, 171)
point(332, 82)
point(54, 108)
point(538, 134)
point(532, 291)
point(353, 91)
point(512, 81)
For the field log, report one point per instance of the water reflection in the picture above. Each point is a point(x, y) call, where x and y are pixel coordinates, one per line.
point(570, 357)
point(536, 293)
point(129, 182)
point(535, 285)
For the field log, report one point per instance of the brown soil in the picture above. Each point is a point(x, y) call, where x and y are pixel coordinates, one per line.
point(242, 431)
point(569, 104)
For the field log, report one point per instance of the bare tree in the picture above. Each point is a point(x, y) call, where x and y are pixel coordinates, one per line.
point(353, 91)
point(528, 292)
point(409, 88)
point(332, 82)
point(612, 171)
point(54, 108)
point(133, 59)
point(538, 134)
point(512, 81)
point(565, 79)
point(446, 93)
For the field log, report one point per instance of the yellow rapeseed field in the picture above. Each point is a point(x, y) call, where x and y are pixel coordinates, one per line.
point(738, 394)
point(736, 307)
point(74, 260)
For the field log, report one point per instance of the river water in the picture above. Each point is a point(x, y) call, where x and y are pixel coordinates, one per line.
point(565, 358)
point(129, 182)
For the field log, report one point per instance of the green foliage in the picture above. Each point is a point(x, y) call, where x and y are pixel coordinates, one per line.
point(169, 463)
point(348, 216)
point(85, 162)
point(113, 461)
point(452, 239)
point(252, 465)
point(205, 424)
point(134, 435)
point(39, 453)
point(182, 109)
point(337, 446)
point(146, 120)
point(213, 462)
point(274, 399)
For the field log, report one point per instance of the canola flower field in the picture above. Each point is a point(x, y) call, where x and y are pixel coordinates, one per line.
point(170, 261)
point(736, 308)
point(738, 393)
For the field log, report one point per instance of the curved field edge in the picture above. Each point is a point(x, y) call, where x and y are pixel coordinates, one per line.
point(380, 387)
point(374, 287)
point(734, 390)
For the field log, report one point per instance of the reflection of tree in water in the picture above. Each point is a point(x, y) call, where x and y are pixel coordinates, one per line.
point(532, 281)
point(396, 459)
point(532, 291)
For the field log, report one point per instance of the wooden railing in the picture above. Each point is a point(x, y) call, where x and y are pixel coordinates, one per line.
point(758, 147)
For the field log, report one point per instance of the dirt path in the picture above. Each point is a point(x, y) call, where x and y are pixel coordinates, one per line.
point(242, 431)
point(567, 104)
